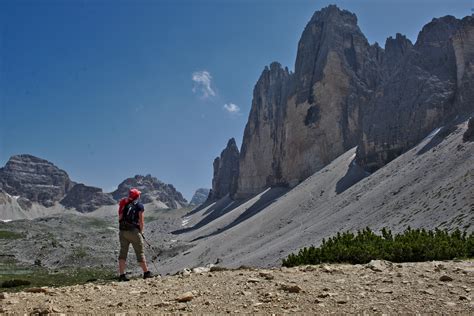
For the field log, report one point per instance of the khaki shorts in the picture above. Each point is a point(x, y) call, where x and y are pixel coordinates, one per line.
point(133, 237)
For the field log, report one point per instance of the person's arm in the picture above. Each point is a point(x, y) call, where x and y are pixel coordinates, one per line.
point(120, 210)
point(141, 221)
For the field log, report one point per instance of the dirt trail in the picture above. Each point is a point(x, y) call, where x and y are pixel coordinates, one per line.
point(379, 287)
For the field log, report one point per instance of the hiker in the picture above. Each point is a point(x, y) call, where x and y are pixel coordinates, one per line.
point(131, 225)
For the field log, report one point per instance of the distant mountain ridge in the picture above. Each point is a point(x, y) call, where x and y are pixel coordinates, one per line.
point(26, 180)
point(200, 196)
point(152, 190)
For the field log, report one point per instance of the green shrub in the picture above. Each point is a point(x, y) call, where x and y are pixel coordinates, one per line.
point(15, 283)
point(410, 246)
point(5, 234)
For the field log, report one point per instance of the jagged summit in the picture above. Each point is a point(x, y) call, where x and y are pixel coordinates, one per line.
point(345, 92)
point(153, 190)
point(226, 169)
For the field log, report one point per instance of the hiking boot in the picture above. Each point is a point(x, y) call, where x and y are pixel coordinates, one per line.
point(147, 275)
point(123, 278)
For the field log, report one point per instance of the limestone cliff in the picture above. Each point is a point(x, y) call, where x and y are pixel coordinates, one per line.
point(432, 84)
point(300, 122)
point(345, 93)
point(226, 169)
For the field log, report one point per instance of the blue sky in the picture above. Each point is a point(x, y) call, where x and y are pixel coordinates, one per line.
point(109, 89)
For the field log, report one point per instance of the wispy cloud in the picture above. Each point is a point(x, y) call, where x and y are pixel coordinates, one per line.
point(202, 84)
point(232, 108)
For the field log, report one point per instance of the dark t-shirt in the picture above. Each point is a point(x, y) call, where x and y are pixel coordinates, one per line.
point(129, 211)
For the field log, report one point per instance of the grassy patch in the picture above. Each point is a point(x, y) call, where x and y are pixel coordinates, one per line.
point(5, 234)
point(96, 223)
point(39, 277)
point(411, 246)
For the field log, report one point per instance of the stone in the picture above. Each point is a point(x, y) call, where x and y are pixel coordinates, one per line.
point(464, 298)
point(379, 265)
point(185, 297)
point(201, 270)
point(446, 278)
point(253, 280)
point(386, 290)
point(4, 296)
point(291, 288)
point(36, 290)
point(428, 291)
point(267, 275)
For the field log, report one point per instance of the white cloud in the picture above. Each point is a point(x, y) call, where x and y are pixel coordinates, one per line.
point(202, 84)
point(232, 108)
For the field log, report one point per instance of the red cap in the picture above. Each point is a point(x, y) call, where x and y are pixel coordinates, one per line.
point(134, 194)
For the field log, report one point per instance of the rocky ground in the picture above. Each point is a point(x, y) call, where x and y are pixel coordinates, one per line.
point(378, 287)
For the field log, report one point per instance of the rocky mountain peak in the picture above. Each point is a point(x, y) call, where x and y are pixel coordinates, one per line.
point(226, 170)
point(439, 29)
point(200, 196)
point(333, 14)
point(152, 190)
point(346, 93)
point(34, 179)
point(397, 46)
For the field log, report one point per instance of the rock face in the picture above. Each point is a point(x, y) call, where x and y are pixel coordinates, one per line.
point(468, 136)
point(200, 196)
point(345, 93)
point(300, 122)
point(34, 180)
point(152, 190)
point(226, 170)
point(431, 84)
point(86, 199)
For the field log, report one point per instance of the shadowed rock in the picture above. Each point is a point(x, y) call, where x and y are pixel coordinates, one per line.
point(226, 170)
point(87, 199)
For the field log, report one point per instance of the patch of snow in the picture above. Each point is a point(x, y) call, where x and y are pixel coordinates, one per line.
point(185, 221)
point(433, 133)
point(5, 220)
point(230, 204)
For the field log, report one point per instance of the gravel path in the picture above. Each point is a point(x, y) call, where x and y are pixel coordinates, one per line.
point(379, 287)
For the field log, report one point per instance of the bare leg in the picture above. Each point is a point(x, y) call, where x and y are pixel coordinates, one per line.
point(144, 266)
point(122, 265)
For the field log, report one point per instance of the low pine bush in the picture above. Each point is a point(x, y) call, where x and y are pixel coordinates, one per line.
point(410, 246)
